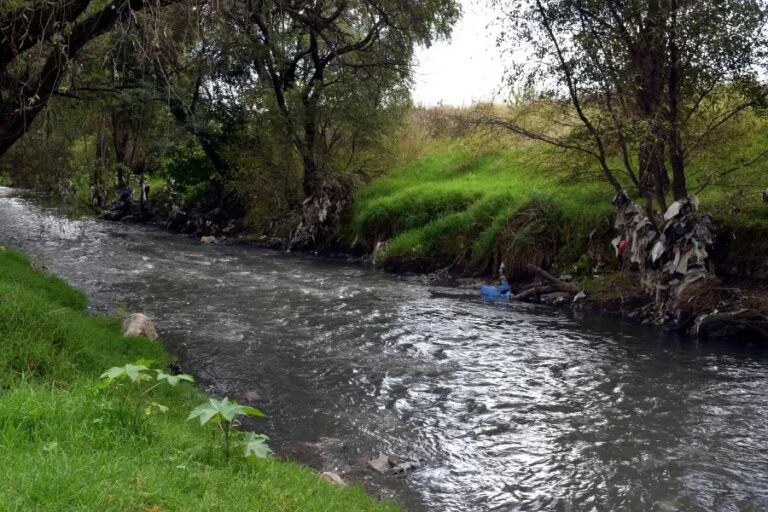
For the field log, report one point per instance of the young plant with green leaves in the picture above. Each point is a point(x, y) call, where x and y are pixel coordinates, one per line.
point(224, 413)
point(255, 445)
point(135, 383)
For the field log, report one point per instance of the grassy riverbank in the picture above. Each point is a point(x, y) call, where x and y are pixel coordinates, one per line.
point(69, 446)
point(457, 207)
point(466, 199)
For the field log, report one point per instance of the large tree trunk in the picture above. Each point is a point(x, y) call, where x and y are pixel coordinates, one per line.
point(676, 155)
point(311, 183)
point(647, 59)
point(653, 173)
point(120, 140)
point(679, 186)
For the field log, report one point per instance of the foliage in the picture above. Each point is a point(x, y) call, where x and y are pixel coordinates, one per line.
point(187, 165)
point(136, 373)
point(647, 83)
point(173, 380)
point(251, 107)
point(135, 395)
point(63, 449)
point(223, 413)
point(324, 73)
point(467, 199)
point(255, 445)
point(38, 41)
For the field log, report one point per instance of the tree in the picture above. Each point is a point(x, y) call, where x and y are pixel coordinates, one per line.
point(649, 82)
point(38, 38)
point(320, 71)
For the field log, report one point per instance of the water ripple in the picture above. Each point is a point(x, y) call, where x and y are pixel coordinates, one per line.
point(509, 407)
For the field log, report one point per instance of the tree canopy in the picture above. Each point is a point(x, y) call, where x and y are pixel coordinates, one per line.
point(649, 81)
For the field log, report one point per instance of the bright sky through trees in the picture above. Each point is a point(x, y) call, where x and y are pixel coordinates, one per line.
point(465, 69)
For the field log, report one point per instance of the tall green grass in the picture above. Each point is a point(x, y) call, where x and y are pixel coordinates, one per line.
point(450, 207)
point(67, 446)
point(464, 200)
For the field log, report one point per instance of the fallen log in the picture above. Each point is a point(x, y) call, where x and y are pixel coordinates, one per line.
point(533, 291)
point(558, 284)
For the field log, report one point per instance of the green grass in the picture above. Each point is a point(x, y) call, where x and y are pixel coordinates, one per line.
point(451, 206)
point(470, 200)
point(68, 446)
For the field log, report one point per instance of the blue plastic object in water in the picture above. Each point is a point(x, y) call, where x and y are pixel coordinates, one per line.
point(500, 291)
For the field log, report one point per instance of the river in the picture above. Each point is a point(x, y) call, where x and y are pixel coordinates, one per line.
point(508, 407)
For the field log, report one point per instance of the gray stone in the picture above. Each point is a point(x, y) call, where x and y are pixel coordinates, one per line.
point(380, 464)
point(333, 478)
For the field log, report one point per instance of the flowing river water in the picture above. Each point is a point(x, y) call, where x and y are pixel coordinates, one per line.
point(507, 407)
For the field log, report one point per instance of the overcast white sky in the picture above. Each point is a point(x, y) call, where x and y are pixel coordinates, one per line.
point(465, 69)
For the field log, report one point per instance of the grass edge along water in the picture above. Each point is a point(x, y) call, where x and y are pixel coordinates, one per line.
point(67, 445)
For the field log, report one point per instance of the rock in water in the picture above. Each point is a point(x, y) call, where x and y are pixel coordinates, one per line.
point(138, 324)
point(388, 465)
point(380, 464)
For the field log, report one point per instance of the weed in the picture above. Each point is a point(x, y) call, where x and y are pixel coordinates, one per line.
point(223, 413)
point(133, 383)
point(65, 448)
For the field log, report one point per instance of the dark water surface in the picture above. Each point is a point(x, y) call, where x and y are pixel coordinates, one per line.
point(510, 407)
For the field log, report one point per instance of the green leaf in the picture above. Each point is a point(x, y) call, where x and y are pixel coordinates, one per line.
point(113, 373)
point(228, 410)
point(223, 411)
point(252, 411)
point(154, 406)
point(255, 445)
point(204, 412)
point(173, 379)
point(133, 372)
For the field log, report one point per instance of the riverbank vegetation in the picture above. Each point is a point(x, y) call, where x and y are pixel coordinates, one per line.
point(466, 197)
point(281, 123)
point(68, 445)
point(237, 117)
point(268, 112)
point(290, 123)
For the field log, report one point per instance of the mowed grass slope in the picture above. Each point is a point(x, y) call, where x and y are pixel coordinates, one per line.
point(66, 445)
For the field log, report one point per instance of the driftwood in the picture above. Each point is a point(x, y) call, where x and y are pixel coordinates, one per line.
point(557, 283)
point(533, 291)
point(554, 285)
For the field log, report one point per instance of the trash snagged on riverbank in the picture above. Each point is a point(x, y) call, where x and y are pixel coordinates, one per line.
point(677, 275)
point(676, 284)
point(670, 260)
